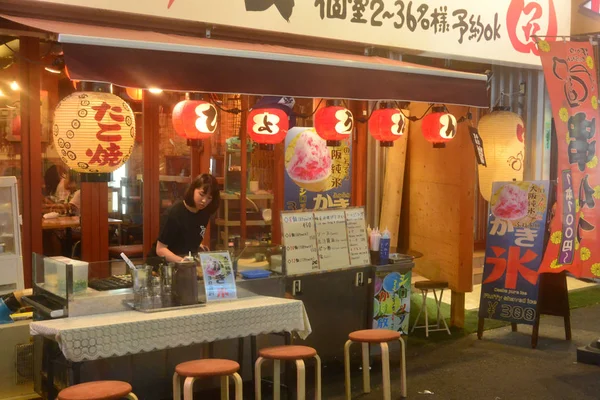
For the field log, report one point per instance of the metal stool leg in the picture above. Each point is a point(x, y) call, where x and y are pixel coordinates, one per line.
point(426, 313)
point(385, 366)
point(276, 379)
point(300, 380)
point(366, 357)
point(131, 396)
point(188, 388)
point(439, 309)
point(176, 387)
point(418, 316)
point(347, 369)
point(403, 367)
point(317, 377)
point(224, 388)
point(258, 379)
point(437, 306)
point(239, 386)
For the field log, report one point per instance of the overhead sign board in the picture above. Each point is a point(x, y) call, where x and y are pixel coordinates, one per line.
point(502, 31)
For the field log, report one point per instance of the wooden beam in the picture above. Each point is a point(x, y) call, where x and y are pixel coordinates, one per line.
point(244, 170)
point(359, 154)
point(457, 309)
point(31, 152)
point(151, 188)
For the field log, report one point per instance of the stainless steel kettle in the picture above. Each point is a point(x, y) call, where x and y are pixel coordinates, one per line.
point(185, 283)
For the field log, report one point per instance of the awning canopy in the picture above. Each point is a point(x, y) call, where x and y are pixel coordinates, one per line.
point(147, 59)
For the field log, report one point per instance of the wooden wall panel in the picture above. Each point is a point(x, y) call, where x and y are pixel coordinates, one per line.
point(94, 227)
point(441, 187)
point(583, 21)
point(151, 188)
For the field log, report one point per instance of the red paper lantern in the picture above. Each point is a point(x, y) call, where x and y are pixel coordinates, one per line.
point(386, 125)
point(439, 127)
point(334, 124)
point(194, 119)
point(267, 126)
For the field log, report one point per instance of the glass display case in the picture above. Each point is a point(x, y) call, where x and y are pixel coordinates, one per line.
point(11, 262)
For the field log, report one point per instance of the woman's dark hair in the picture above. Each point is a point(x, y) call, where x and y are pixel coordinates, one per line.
point(209, 185)
point(52, 179)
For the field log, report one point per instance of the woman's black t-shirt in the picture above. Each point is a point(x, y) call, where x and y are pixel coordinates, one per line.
point(181, 230)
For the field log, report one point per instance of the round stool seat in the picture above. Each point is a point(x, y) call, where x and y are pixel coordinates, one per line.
point(287, 352)
point(431, 285)
point(101, 390)
point(207, 367)
point(374, 336)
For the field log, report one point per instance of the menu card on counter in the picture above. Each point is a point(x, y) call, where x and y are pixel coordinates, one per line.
point(332, 239)
point(357, 237)
point(219, 279)
point(300, 241)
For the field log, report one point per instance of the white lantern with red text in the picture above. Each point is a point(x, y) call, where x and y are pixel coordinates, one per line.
point(439, 127)
point(93, 132)
point(387, 125)
point(194, 119)
point(503, 135)
point(267, 126)
point(334, 124)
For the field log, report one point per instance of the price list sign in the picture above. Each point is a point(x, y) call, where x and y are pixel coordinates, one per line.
point(357, 237)
point(332, 239)
point(300, 241)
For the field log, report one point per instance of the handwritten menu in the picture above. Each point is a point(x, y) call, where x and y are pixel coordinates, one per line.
point(300, 241)
point(332, 239)
point(357, 237)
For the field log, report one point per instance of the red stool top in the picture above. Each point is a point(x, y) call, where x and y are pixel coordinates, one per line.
point(207, 367)
point(101, 390)
point(431, 285)
point(374, 336)
point(287, 352)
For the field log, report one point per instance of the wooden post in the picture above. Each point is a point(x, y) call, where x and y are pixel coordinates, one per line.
point(244, 172)
point(391, 204)
point(278, 192)
point(359, 155)
point(31, 156)
point(151, 188)
point(94, 226)
point(457, 309)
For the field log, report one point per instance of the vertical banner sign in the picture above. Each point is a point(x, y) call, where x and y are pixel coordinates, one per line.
point(515, 242)
point(391, 305)
point(574, 245)
point(317, 177)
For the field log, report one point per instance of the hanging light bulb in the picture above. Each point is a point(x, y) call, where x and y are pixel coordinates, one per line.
point(14, 85)
point(155, 90)
point(57, 65)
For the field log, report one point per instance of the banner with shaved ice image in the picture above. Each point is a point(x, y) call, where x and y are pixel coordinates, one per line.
point(391, 302)
point(513, 252)
point(317, 177)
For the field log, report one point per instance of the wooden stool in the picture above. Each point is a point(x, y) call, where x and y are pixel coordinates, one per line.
point(211, 367)
point(381, 336)
point(101, 390)
point(425, 287)
point(288, 353)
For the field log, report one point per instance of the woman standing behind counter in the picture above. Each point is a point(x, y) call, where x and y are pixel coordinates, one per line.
point(186, 221)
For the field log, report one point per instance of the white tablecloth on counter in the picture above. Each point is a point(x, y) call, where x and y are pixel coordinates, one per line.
point(130, 332)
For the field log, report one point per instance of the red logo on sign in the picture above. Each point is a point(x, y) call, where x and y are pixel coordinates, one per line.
point(526, 19)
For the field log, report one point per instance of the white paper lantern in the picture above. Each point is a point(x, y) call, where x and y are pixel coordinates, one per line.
point(93, 132)
point(503, 135)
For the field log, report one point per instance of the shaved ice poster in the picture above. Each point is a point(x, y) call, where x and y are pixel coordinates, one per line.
point(317, 177)
point(513, 252)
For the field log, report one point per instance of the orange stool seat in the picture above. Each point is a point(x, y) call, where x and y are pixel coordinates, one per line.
point(131, 251)
point(367, 337)
point(206, 368)
point(374, 336)
point(101, 390)
point(210, 367)
point(288, 353)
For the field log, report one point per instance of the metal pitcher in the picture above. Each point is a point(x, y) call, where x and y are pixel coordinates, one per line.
point(185, 283)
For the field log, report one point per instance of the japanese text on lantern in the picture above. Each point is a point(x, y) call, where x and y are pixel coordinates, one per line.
point(109, 119)
point(413, 16)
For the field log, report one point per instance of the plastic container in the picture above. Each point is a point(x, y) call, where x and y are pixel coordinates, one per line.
point(255, 274)
point(55, 275)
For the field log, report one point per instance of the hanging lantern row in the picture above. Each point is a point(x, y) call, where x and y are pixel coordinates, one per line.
point(93, 132)
point(267, 126)
point(386, 125)
point(334, 124)
point(195, 119)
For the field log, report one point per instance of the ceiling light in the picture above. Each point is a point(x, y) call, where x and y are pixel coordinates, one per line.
point(1, 93)
point(14, 85)
point(155, 90)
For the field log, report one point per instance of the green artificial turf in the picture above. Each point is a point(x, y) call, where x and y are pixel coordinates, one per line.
point(577, 298)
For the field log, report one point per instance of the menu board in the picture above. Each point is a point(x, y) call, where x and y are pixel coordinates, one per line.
point(300, 242)
point(332, 239)
point(357, 237)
